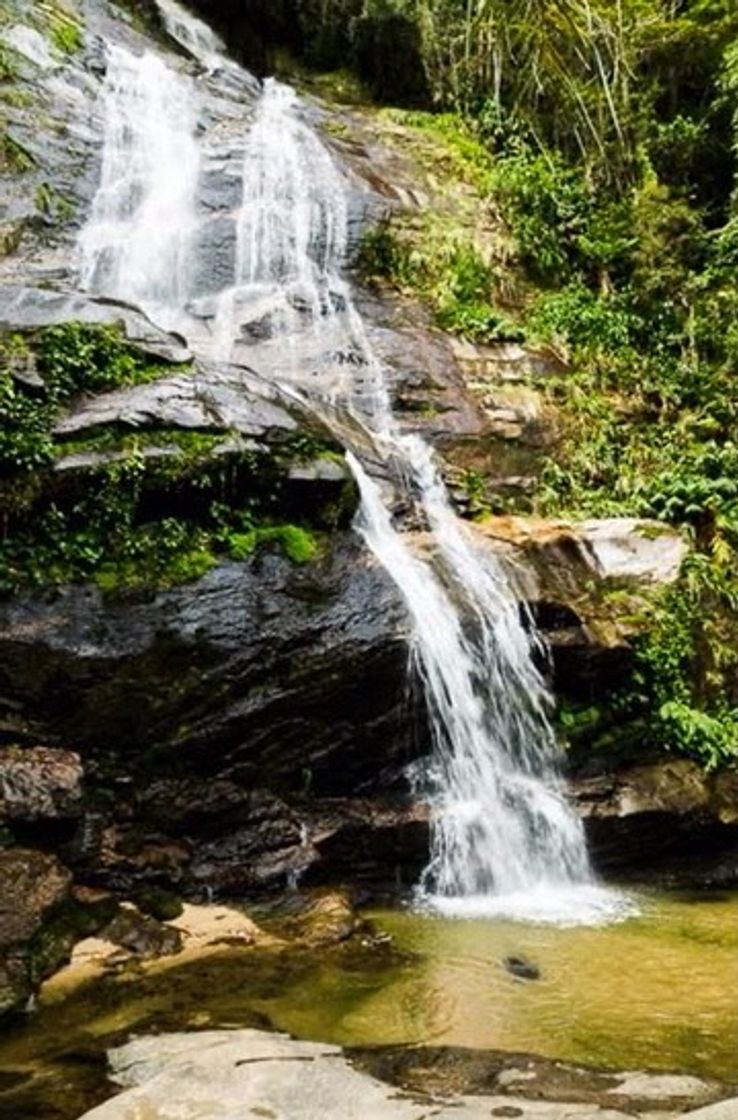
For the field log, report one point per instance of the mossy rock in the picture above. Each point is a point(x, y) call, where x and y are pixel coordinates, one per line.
point(161, 904)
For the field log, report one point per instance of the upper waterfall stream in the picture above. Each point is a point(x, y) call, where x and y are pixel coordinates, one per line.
point(504, 839)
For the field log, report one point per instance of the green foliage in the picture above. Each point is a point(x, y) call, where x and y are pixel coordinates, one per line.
point(459, 151)
point(52, 204)
point(8, 64)
point(686, 660)
point(156, 508)
point(90, 358)
point(67, 37)
point(70, 359)
point(66, 31)
point(445, 269)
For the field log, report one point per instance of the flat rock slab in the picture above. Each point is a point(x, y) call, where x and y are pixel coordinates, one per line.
point(723, 1110)
point(234, 1075)
point(27, 308)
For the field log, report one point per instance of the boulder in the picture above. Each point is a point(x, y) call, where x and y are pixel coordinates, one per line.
point(208, 398)
point(141, 935)
point(32, 885)
point(294, 675)
point(39, 783)
point(317, 918)
point(585, 583)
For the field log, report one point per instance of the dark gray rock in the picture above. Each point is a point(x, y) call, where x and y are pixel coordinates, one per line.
point(38, 784)
point(521, 968)
point(220, 398)
point(216, 255)
point(665, 813)
point(32, 884)
point(298, 675)
point(141, 935)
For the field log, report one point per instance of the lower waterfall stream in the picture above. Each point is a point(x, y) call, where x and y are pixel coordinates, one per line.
point(504, 839)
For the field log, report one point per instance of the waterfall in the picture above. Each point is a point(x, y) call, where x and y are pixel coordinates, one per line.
point(137, 242)
point(504, 839)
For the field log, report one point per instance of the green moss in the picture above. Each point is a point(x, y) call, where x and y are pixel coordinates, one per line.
point(457, 152)
point(8, 63)
point(9, 95)
point(65, 28)
point(14, 159)
point(298, 544)
point(159, 903)
point(52, 204)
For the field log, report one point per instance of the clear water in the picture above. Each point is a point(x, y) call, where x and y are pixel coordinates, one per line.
point(656, 991)
point(504, 838)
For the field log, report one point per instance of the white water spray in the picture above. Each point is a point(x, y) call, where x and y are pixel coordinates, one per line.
point(504, 839)
point(137, 243)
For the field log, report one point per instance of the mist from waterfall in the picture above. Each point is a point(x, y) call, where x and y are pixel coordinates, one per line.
point(504, 838)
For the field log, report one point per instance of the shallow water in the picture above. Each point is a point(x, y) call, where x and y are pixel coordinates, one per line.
point(656, 991)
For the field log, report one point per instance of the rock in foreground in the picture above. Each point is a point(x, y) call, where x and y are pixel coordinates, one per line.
point(229, 1075)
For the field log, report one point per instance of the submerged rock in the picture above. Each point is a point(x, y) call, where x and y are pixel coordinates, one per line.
point(521, 968)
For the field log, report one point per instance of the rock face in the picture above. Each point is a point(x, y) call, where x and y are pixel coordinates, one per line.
point(642, 815)
point(585, 583)
point(295, 676)
point(228, 1074)
point(32, 884)
point(28, 308)
point(277, 694)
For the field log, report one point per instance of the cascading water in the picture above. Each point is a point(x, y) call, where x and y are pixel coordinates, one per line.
point(504, 838)
point(137, 243)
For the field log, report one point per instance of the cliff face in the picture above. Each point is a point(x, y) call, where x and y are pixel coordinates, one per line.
point(213, 667)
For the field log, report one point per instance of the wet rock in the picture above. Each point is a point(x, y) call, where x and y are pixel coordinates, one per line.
point(521, 968)
point(26, 308)
point(325, 917)
point(643, 814)
point(295, 676)
point(160, 904)
point(216, 256)
point(567, 571)
point(520, 1080)
point(141, 935)
point(32, 885)
point(209, 398)
point(38, 783)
